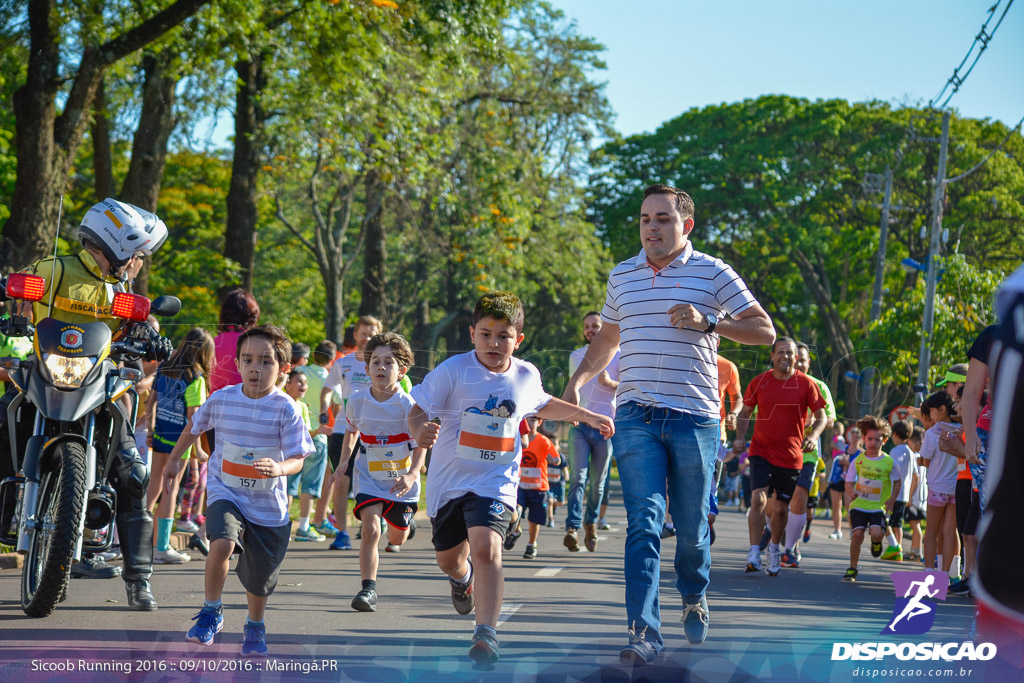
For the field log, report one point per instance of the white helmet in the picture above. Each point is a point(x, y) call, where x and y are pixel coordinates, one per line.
point(122, 230)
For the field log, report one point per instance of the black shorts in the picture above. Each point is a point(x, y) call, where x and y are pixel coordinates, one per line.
point(838, 487)
point(261, 549)
point(397, 514)
point(780, 480)
point(806, 477)
point(973, 515)
point(896, 518)
point(534, 504)
point(862, 519)
point(453, 520)
point(962, 497)
point(334, 443)
point(913, 514)
point(812, 503)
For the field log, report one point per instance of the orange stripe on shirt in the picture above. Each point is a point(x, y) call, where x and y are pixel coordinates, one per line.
point(243, 471)
point(487, 443)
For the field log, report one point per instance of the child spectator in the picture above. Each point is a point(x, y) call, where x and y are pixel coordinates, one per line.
point(841, 459)
point(260, 439)
point(917, 503)
point(480, 398)
point(902, 456)
point(386, 477)
point(532, 497)
point(180, 388)
point(316, 377)
point(311, 478)
point(873, 484)
point(936, 412)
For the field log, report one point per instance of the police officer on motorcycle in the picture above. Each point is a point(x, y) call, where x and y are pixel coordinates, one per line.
point(114, 235)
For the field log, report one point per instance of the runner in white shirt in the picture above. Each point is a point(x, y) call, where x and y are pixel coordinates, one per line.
point(480, 399)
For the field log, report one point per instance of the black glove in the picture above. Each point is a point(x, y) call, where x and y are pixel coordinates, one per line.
point(158, 348)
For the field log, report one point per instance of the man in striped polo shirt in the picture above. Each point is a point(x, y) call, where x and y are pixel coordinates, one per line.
point(666, 308)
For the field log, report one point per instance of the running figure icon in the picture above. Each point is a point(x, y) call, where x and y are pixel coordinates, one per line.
point(916, 607)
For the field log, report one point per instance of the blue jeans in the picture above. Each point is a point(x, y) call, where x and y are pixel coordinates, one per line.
point(663, 454)
point(590, 455)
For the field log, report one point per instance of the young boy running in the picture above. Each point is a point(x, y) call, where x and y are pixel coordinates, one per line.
point(532, 497)
point(386, 476)
point(314, 466)
point(480, 398)
point(873, 484)
point(260, 438)
point(316, 377)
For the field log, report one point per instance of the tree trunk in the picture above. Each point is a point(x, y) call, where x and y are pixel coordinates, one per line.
point(149, 146)
point(373, 300)
point(102, 166)
point(47, 143)
point(240, 233)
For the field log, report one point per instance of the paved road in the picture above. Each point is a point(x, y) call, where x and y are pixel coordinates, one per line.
point(563, 619)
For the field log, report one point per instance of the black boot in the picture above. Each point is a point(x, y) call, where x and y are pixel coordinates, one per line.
point(135, 530)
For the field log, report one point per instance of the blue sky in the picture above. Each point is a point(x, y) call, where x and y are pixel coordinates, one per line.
point(666, 56)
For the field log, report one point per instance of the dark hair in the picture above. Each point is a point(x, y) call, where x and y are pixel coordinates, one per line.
point(870, 423)
point(500, 306)
point(903, 429)
point(295, 372)
point(239, 309)
point(324, 352)
point(918, 434)
point(805, 347)
point(780, 340)
point(938, 400)
point(299, 351)
point(684, 203)
point(398, 344)
point(193, 357)
point(349, 341)
point(587, 315)
point(272, 333)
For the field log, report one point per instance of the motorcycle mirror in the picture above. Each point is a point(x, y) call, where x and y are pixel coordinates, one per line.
point(166, 306)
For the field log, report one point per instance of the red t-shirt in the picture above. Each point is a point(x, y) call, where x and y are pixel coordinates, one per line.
point(781, 408)
point(533, 473)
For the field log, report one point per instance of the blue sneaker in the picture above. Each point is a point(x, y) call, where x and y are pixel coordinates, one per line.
point(255, 643)
point(341, 542)
point(209, 622)
point(326, 528)
point(695, 621)
point(639, 652)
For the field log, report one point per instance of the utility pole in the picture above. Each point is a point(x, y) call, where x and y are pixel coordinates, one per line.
point(925, 356)
point(868, 383)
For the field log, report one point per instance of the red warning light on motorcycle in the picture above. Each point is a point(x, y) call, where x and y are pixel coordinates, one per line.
point(26, 287)
point(130, 306)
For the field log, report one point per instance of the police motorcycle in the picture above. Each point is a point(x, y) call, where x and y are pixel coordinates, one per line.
point(60, 503)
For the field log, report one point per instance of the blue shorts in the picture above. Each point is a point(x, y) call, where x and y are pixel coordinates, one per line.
point(311, 478)
point(535, 505)
point(557, 491)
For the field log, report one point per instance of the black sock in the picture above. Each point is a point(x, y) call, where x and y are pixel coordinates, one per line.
point(370, 583)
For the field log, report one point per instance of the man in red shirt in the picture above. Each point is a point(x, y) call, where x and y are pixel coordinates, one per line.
point(782, 396)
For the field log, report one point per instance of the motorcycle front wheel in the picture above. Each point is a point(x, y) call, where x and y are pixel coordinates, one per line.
point(47, 569)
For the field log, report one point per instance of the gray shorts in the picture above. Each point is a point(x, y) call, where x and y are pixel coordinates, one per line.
point(261, 549)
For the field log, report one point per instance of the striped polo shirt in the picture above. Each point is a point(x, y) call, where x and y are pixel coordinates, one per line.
point(661, 365)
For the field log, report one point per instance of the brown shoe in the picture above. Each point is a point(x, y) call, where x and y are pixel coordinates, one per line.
point(590, 539)
point(571, 541)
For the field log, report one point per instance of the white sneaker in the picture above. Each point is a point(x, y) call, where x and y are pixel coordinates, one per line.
point(603, 524)
point(836, 535)
point(170, 556)
point(774, 562)
point(186, 525)
point(754, 560)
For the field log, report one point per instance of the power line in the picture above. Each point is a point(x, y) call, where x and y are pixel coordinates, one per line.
point(983, 161)
point(983, 38)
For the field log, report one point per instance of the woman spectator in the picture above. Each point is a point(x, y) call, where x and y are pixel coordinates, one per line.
point(238, 313)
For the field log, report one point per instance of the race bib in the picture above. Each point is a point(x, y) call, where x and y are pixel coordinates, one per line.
point(388, 462)
point(530, 478)
point(238, 471)
point(487, 439)
point(869, 489)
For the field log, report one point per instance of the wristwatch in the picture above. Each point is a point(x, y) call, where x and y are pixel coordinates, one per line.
point(712, 323)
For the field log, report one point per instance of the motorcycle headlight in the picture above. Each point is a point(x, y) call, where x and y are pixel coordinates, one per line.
point(68, 373)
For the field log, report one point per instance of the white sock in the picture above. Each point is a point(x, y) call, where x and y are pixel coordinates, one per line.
point(954, 566)
point(303, 523)
point(794, 530)
point(938, 562)
point(755, 548)
point(773, 547)
point(464, 579)
point(891, 539)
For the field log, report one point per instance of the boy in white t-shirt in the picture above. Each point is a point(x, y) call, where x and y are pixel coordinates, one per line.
point(480, 398)
point(260, 439)
point(386, 475)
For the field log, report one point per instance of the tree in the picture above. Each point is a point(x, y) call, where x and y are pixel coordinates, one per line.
point(47, 142)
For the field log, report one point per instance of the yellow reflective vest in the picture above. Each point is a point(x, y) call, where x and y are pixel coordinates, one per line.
point(82, 294)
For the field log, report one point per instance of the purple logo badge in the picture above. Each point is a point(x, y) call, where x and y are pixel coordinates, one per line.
point(914, 612)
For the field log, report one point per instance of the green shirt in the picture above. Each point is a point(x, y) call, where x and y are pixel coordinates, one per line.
point(872, 481)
